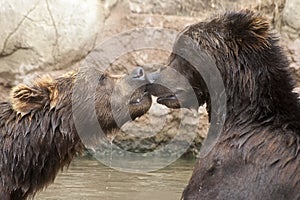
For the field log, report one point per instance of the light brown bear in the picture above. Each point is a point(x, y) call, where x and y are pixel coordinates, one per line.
point(38, 135)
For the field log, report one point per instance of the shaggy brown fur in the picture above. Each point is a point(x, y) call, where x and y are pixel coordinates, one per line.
point(257, 155)
point(38, 136)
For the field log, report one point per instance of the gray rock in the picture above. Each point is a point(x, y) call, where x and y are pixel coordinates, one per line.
point(196, 7)
point(42, 34)
point(291, 14)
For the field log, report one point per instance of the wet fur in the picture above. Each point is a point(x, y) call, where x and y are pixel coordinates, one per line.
point(37, 130)
point(257, 155)
point(37, 138)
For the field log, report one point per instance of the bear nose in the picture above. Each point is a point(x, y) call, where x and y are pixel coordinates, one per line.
point(138, 73)
point(152, 77)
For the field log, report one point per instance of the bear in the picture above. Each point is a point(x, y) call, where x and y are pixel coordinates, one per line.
point(257, 154)
point(38, 133)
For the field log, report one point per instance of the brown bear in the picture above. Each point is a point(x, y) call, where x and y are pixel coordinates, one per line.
point(257, 154)
point(38, 135)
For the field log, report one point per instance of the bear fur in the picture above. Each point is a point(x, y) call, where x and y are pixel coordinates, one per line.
point(38, 136)
point(257, 155)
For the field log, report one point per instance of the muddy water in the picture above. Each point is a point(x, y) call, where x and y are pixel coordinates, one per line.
point(88, 179)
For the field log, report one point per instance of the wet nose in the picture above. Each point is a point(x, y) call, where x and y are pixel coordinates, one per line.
point(138, 73)
point(152, 77)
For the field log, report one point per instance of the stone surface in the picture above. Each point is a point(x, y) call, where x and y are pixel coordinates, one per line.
point(291, 15)
point(294, 52)
point(46, 35)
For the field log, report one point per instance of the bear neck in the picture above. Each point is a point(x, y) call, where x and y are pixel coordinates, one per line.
point(264, 105)
point(260, 93)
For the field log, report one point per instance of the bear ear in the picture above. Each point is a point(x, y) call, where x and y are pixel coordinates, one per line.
point(26, 98)
point(249, 29)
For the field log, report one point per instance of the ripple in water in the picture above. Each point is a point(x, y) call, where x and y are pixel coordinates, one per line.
point(88, 179)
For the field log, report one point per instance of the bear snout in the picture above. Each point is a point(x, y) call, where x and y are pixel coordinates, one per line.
point(139, 74)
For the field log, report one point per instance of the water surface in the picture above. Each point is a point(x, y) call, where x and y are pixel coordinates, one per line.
point(88, 179)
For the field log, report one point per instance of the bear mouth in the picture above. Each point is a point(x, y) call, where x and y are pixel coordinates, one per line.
point(166, 98)
point(169, 100)
point(139, 99)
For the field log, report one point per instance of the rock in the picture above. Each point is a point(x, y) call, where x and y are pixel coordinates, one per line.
point(163, 127)
point(295, 50)
point(46, 34)
point(294, 57)
point(291, 15)
point(165, 7)
point(198, 8)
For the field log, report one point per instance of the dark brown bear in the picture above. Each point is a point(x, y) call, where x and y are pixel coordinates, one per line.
point(257, 155)
point(38, 135)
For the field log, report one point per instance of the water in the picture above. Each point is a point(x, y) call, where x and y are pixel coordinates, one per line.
point(88, 179)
